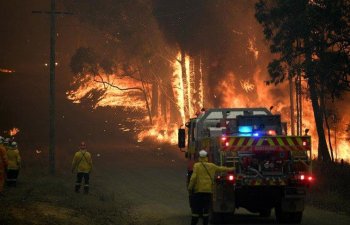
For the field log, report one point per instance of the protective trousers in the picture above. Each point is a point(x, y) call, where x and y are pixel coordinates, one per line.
point(80, 177)
point(200, 207)
point(11, 179)
point(2, 179)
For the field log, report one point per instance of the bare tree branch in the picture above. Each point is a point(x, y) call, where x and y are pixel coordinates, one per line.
point(115, 86)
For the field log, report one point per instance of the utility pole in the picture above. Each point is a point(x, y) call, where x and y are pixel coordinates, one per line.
point(291, 96)
point(298, 88)
point(52, 88)
point(52, 105)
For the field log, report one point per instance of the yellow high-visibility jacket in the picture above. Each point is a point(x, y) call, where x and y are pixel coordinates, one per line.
point(3, 158)
point(14, 159)
point(82, 162)
point(200, 179)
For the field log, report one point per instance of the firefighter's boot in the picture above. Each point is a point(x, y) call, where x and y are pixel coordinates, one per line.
point(194, 220)
point(77, 188)
point(205, 220)
point(86, 189)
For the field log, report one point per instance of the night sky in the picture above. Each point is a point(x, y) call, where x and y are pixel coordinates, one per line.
point(24, 44)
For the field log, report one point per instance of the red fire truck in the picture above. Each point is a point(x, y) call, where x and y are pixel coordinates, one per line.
point(272, 169)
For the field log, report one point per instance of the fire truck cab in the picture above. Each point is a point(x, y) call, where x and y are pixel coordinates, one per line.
point(272, 169)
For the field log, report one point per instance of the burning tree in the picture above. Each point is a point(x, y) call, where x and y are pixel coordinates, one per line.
point(312, 38)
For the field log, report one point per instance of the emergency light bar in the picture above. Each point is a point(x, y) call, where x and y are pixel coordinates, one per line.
point(245, 129)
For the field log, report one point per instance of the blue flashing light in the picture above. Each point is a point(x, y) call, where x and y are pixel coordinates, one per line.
point(245, 129)
point(256, 134)
point(245, 135)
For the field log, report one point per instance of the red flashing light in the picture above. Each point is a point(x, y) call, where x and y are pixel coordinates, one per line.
point(271, 132)
point(223, 138)
point(227, 144)
point(308, 178)
point(231, 178)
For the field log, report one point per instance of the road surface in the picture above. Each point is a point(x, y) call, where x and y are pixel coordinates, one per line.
point(152, 179)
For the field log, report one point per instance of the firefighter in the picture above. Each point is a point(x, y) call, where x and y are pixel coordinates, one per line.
point(201, 186)
point(3, 165)
point(82, 164)
point(14, 164)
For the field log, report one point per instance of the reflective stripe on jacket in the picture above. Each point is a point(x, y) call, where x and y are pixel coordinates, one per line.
point(14, 159)
point(200, 179)
point(3, 158)
point(82, 162)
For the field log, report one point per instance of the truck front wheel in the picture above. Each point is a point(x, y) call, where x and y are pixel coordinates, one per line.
point(288, 217)
point(221, 218)
point(265, 213)
point(296, 217)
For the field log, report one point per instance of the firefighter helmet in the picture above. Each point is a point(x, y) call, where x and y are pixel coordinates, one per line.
point(14, 144)
point(203, 153)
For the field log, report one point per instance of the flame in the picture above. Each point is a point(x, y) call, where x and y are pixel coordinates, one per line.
point(6, 70)
point(178, 88)
point(189, 99)
point(160, 132)
point(247, 85)
point(252, 47)
point(13, 131)
point(131, 99)
point(262, 96)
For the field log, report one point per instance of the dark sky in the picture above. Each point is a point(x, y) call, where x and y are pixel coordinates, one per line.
point(24, 47)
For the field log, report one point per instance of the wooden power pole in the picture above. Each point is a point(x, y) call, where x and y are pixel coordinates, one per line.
point(52, 104)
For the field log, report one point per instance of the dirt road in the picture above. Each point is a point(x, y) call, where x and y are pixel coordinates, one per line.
point(152, 179)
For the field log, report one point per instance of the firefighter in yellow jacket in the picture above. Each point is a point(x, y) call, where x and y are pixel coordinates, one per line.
point(3, 165)
point(201, 185)
point(14, 164)
point(82, 164)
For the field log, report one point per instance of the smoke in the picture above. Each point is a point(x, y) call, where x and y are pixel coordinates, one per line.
point(222, 32)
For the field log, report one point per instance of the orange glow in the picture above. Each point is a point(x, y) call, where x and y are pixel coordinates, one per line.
point(247, 85)
point(252, 47)
point(232, 91)
point(131, 99)
point(13, 131)
point(6, 71)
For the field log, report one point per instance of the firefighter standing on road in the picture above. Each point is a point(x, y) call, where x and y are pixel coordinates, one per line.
point(3, 165)
point(82, 164)
point(201, 186)
point(14, 164)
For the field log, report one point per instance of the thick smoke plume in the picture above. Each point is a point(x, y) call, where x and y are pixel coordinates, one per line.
point(222, 32)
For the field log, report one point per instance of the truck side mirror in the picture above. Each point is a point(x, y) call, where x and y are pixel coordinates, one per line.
point(181, 138)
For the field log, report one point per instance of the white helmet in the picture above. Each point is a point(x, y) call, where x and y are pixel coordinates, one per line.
point(203, 153)
point(1, 140)
point(14, 144)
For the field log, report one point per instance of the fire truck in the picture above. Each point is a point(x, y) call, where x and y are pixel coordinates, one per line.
point(272, 169)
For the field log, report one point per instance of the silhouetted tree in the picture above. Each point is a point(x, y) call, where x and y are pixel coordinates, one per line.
point(309, 37)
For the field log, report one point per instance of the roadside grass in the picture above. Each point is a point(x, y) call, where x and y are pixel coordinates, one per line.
point(49, 200)
point(330, 189)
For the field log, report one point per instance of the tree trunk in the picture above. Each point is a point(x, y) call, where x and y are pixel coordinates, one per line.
point(144, 91)
point(185, 84)
point(325, 116)
point(163, 104)
point(323, 152)
point(197, 83)
point(291, 100)
point(155, 99)
point(174, 113)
